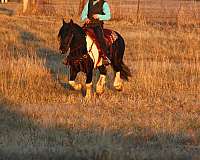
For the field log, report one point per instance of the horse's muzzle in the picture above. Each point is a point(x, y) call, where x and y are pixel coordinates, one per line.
point(62, 52)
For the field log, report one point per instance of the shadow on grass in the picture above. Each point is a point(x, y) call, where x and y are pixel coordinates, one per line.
point(52, 58)
point(23, 137)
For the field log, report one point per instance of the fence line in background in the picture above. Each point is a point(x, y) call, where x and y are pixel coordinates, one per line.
point(136, 9)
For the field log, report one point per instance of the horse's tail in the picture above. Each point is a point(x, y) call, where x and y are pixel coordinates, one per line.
point(125, 72)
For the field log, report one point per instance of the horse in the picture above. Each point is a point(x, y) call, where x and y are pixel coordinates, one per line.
point(83, 56)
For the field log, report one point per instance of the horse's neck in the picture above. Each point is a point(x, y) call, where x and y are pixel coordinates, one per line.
point(78, 47)
point(78, 42)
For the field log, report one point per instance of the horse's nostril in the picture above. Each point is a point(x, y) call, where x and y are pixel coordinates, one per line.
point(61, 50)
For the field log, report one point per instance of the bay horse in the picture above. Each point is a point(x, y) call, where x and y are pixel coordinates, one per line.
point(84, 56)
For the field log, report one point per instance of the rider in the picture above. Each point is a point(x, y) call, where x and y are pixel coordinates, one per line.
point(94, 13)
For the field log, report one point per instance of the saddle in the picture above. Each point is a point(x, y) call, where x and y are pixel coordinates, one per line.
point(109, 35)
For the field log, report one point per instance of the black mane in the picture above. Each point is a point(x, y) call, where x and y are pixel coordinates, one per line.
point(74, 27)
point(79, 29)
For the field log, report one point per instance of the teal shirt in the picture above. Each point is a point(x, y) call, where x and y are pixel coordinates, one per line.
point(106, 10)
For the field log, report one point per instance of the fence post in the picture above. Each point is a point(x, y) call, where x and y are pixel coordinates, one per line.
point(120, 9)
point(179, 15)
point(25, 5)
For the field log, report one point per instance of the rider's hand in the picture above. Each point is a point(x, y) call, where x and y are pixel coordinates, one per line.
point(96, 16)
point(87, 21)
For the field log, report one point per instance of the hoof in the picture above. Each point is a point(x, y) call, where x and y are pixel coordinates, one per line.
point(118, 82)
point(88, 97)
point(100, 90)
point(99, 93)
point(118, 88)
point(75, 86)
point(100, 87)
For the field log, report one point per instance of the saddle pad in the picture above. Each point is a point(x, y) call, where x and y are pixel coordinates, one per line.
point(110, 36)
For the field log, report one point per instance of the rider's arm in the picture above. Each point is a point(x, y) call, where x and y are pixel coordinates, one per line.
point(85, 12)
point(106, 10)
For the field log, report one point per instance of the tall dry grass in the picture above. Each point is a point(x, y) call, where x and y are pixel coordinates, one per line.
point(156, 116)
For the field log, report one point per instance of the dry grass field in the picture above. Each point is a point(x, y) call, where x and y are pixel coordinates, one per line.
point(156, 116)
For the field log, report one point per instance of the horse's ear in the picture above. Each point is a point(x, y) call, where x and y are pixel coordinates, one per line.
point(64, 21)
point(71, 21)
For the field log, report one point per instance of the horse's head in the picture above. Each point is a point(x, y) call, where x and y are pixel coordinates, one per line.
point(70, 35)
point(65, 36)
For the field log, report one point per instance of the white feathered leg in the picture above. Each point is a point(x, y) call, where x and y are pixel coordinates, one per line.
point(88, 91)
point(118, 82)
point(75, 86)
point(100, 87)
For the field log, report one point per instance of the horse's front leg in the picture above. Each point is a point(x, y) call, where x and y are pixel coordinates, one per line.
point(89, 84)
point(73, 73)
point(100, 87)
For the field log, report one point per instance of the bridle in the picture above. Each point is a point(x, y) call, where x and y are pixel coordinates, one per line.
point(67, 41)
point(77, 54)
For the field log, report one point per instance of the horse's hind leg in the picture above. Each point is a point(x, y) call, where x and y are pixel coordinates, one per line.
point(117, 63)
point(73, 73)
point(100, 87)
point(118, 83)
point(122, 72)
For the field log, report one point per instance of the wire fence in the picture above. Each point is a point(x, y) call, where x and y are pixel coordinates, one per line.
point(136, 10)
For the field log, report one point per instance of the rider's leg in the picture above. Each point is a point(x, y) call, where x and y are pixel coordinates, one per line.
point(98, 30)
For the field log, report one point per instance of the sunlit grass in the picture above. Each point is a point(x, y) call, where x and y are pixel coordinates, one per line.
point(155, 116)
